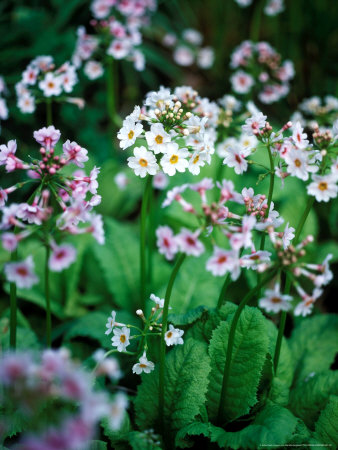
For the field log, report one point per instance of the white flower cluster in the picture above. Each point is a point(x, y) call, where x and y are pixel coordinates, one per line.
point(316, 112)
point(188, 50)
point(272, 7)
point(235, 151)
point(181, 133)
point(3, 104)
point(41, 80)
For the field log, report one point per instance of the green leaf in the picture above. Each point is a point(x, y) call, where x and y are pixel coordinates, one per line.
point(274, 425)
point(25, 338)
point(314, 345)
point(311, 396)
point(186, 382)
point(249, 353)
point(143, 441)
point(187, 318)
point(97, 445)
point(327, 424)
point(92, 325)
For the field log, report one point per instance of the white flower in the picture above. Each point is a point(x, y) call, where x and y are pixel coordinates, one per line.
point(143, 162)
point(121, 180)
point(143, 366)
point(107, 366)
point(298, 164)
point(121, 338)
point(51, 85)
point(223, 261)
point(26, 103)
point(93, 70)
point(254, 123)
point(222, 147)
point(298, 137)
point(188, 242)
point(323, 187)
point(274, 301)
point(174, 160)
point(117, 411)
point(183, 56)
point(197, 161)
point(129, 132)
point(119, 48)
point(288, 235)
point(157, 138)
point(62, 257)
point(111, 323)
point(173, 336)
point(241, 82)
point(192, 36)
point(159, 301)
point(21, 273)
point(160, 181)
point(305, 307)
point(236, 158)
point(158, 99)
point(205, 57)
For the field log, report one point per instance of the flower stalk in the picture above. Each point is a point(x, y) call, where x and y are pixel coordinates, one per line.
point(13, 309)
point(143, 232)
point(47, 297)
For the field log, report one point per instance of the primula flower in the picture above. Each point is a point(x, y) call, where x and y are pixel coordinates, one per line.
point(143, 162)
point(323, 188)
point(188, 243)
point(121, 338)
point(173, 336)
point(166, 242)
point(61, 257)
point(129, 132)
point(143, 365)
point(274, 301)
point(21, 273)
point(224, 261)
point(174, 160)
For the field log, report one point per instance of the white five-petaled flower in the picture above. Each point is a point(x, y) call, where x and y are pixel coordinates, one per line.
point(129, 132)
point(305, 307)
point(143, 162)
point(241, 82)
point(288, 235)
point(323, 187)
point(298, 137)
point(254, 123)
point(235, 158)
point(21, 273)
point(174, 160)
point(121, 338)
point(111, 323)
point(173, 336)
point(157, 138)
point(159, 301)
point(144, 365)
point(51, 85)
point(223, 261)
point(274, 301)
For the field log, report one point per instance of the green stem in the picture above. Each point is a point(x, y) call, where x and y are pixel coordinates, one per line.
point(176, 268)
point(143, 268)
point(13, 308)
point(256, 21)
point(49, 116)
point(271, 186)
point(288, 284)
point(48, 311)
point(151, 235)
point(231, 340)
point(221, 297)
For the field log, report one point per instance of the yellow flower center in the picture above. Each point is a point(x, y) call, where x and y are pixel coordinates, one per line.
point(51, 84)
point(173, 159)
point(322, 186)
point(131, 134)
point(169, 334)
point(143, 366)
point(143, 162)
point(159, 139)
point(123, 338)
point(196, 159)
point(276, 300)
point(297, 163)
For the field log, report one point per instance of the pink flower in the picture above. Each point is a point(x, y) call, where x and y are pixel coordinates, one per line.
point(3, 197)
point(166, 242)
point(188, 242)
point(96, 228)
point(61, 257)
point(241, 82)
point(21, 273)
point(47, 137)
point(74, 153)
point(9, 241)
point(223, 261)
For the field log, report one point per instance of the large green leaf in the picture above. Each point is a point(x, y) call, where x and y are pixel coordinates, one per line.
point(327, 424)
point(273, 426)
point(185, 384)
point(311, 396)
point(91, 325)
point(249, 353)
point(314, 345)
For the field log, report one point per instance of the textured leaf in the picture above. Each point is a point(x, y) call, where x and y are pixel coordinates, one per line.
point(311, 396)
point(92, 325)
point(142, 441)
point(25, 339)
point(327, 425)
point(186, 381)
point(188, 318)
point(249, 353)
point(274, 425)
point(314, 345)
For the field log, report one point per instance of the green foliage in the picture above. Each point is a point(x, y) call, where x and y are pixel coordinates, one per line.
point(311, 396)
point(91, 325)
point(246, 364)
point(185, 383)
point(97, 445)
point(188, 318)
point(272, 425)
point(313, 344)
point(327, 424)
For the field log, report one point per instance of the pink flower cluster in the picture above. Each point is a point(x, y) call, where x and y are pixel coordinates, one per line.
point(260, 68)
point(75, 195)
point(3, 104)
point(118, 24)
point(35, 382)
point(42, 81)
point(188, 50)
point(272, 7)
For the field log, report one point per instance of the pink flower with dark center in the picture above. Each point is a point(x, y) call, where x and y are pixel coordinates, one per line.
point(61, 257)
point(47, 137)
point(21, 273)
point(188, 242)
point(74, 153)
point(166, 242)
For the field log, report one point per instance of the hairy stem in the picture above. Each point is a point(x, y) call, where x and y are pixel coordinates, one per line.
point(231, 340)
point(288, 284)
point(271, 186)
point(48, 311)
point(143, 262)
point(174, 273)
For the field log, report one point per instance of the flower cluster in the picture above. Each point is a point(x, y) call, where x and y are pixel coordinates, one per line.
point(152, 326)
point(297, 157)
point(272, 7)
point(3, 104)
point(42, 82)
point(181, 133)
point(60, 204)
point(316, 112)
point(35, 384)
point(118, 34)
point(188, 50)
point(260, 69)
